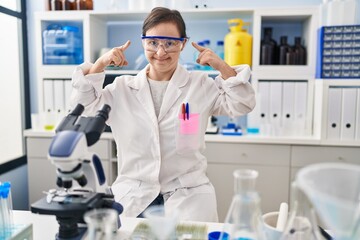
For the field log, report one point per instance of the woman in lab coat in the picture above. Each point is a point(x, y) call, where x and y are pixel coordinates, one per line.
point(159, 118)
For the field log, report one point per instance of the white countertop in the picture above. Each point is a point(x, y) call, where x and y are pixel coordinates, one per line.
point(254, 139)
point(45, 226)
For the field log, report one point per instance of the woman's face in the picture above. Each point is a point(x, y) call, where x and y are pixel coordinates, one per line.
point(162, 61)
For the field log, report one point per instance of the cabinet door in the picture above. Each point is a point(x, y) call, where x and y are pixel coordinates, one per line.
point(305, 155)
point(272, 161)
point(272, 185)
point(253, 154)
point(302, 156)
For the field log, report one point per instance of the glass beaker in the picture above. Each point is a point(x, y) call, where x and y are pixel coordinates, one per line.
point(302, 223)
point(102, 224)
point(162, 222)
point(243, 220)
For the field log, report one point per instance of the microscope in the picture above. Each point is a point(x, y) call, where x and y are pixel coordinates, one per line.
point(80, 175)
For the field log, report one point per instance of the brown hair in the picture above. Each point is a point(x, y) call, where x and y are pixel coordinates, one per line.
point(162, 15)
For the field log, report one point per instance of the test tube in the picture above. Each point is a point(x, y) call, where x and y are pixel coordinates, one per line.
point(6, 218)
point(8, 199)
point(2, 214)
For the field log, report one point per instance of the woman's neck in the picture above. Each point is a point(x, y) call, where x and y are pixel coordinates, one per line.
point(159, 76)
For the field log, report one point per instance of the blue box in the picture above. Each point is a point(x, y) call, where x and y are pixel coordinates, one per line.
point(338, 53)
point(63, 44)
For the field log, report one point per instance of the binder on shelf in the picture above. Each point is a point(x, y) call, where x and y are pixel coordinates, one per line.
point(348, 115)
point(48, 91)
point(59, 96)
point(68, 89)
point(300, 107)
point(357, 125)
point(275, 106)
point(288, 104)
point(334, 113)
point(264, 93)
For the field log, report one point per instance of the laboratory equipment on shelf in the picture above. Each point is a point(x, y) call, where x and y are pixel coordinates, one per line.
point(300, 52)
point(238, 44)
point(334, 190)
point(284, 49)
point(69, 152)
point(62, 44)
point(269, 49)
point(244, 218)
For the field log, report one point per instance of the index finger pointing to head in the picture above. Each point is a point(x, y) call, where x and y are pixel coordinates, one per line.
point(197, 46)
point(126, 45)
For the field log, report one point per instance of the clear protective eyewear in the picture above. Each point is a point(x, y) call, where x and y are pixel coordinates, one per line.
point(169, 44)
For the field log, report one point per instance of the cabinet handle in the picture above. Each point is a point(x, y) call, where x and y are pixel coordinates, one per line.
point(244, 155)
point(341, 159)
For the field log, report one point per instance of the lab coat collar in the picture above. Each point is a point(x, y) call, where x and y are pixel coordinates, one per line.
point(173, 91)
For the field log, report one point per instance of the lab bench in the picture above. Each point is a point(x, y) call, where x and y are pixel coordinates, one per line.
point(276, 158)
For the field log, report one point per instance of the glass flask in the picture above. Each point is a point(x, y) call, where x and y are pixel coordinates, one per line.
point(243, 220)
point(102, 224)
point(162, 221)
point(302, 223)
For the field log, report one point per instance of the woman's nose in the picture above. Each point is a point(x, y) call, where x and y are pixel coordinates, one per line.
point(161, 51)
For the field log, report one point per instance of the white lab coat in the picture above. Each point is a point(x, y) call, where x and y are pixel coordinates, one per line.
point(164, 154)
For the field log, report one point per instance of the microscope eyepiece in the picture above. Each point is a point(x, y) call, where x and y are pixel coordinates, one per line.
point(104, 112)
point(78, 110)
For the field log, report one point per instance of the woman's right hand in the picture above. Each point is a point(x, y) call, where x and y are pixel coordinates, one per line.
point(114, 57)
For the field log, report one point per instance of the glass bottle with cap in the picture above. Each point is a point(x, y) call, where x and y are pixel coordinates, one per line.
point(85, 5)
point(243, 220)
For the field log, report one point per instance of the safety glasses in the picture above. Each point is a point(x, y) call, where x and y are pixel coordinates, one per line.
point(169, 44)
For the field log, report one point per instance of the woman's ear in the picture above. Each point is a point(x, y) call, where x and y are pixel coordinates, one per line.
point(185, 41)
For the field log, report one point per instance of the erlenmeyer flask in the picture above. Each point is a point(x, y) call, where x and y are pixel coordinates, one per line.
point(102, 224)
point(243, 220)
point(302, 223)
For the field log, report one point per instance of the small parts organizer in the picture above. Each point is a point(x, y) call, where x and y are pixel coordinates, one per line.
point(339, 52)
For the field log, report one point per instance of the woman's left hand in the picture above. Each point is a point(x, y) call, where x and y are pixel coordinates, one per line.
point(208, 57)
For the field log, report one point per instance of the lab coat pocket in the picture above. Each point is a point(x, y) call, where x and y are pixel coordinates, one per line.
point(187, 134)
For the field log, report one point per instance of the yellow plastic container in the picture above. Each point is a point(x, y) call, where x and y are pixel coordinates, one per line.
point(237, 44)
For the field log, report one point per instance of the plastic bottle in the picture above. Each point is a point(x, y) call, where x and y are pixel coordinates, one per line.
point(269, 49)
point(283, 49)
point(243, 220)
point(238, 44)
point(219, 50)
point(300, 52)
